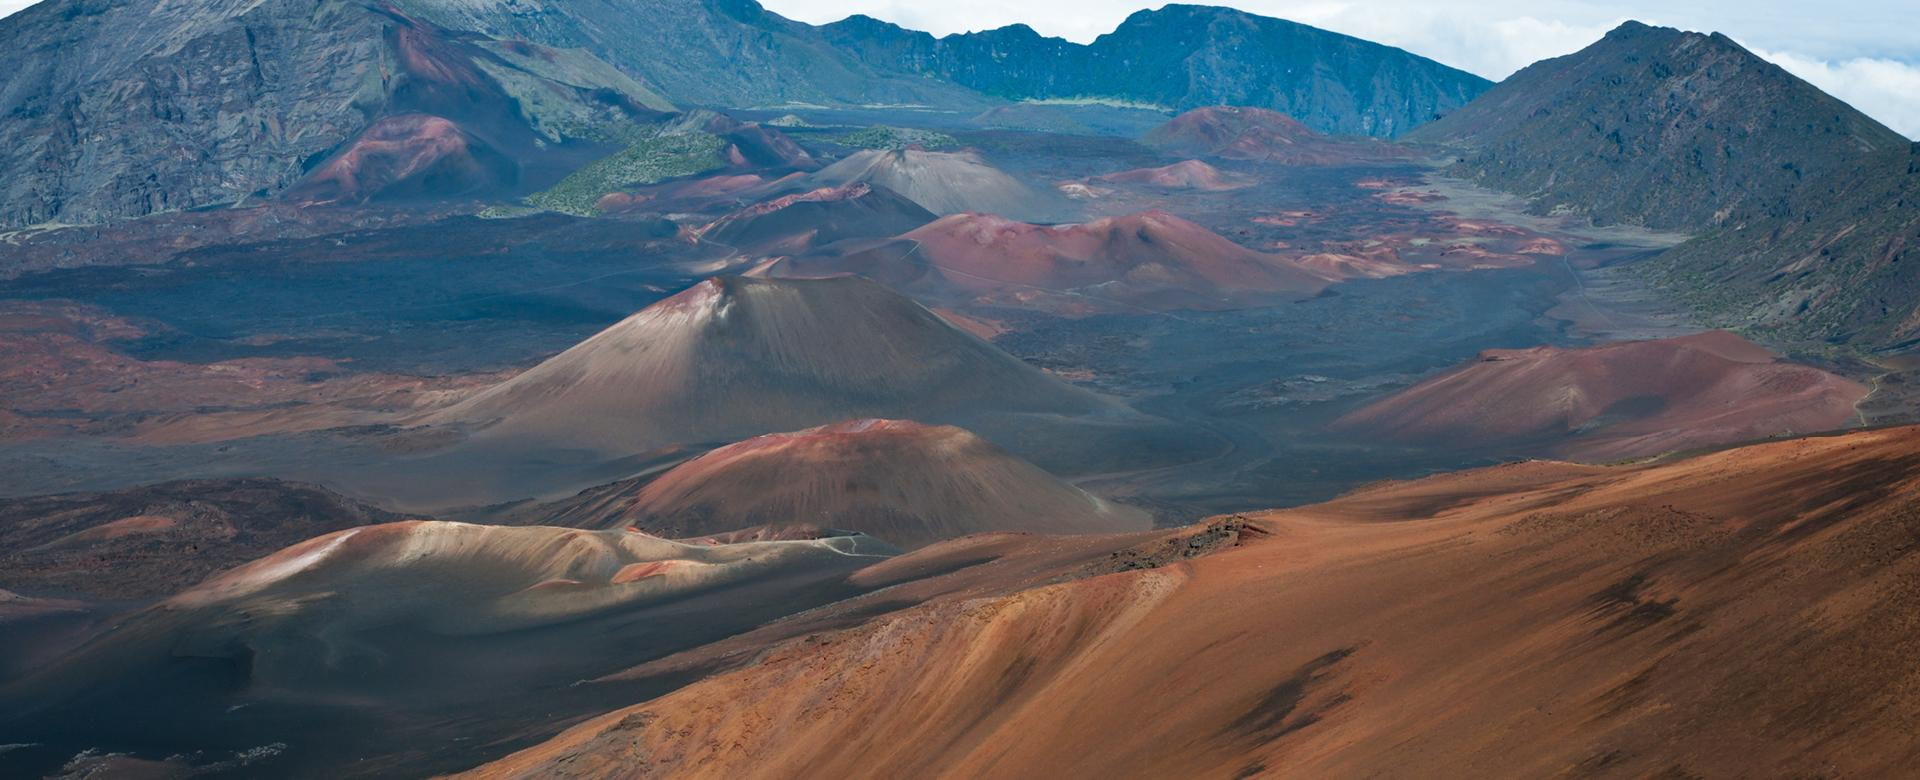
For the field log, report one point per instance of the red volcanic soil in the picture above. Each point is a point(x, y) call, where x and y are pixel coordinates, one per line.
point(682, 195)
point(1616, 400)
point(1183, 175)
point(735, 357)
point(1258, 134)
point(794, 223)
point(1746, 613)
point(903, 482)
point(750, 144)
point(405, 157)
point(158, 539)
point(163, 237)
point(1152, 260)
point(59, 374)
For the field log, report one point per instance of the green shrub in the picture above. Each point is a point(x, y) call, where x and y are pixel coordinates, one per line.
point(647, 160)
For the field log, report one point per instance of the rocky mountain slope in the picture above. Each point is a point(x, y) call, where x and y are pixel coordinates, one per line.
point(1186, 56)
point(1803, 207)
point(1658, 127)
point(120, 109)
point(1831, 274)
point(723, 53)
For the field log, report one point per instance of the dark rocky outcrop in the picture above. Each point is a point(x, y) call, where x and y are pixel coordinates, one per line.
point(1658, 127)
point(1803, 207)
point(157, 539)
point(722, 53)
point(118, 109)
point(1840, 270)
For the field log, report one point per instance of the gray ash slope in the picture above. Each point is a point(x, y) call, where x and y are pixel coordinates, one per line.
point(734, 357)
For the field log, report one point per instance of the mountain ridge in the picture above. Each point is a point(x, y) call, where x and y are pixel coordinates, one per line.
point(1802, 207)
point(1658, 127)
point(1181, 57)
point(120, 109)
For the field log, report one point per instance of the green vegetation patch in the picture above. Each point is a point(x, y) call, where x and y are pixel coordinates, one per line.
point(885, 137)
point(647, 160)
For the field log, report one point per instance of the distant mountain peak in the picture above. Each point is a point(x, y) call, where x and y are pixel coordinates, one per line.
point(1015, 30)
point(1180, 57)
point(1658, 127)
point(1799, 200)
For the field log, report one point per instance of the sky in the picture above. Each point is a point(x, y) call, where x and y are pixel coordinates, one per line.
point(1866, 52)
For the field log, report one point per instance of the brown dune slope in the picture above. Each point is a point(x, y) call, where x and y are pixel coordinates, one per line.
point(794, 223)
point(1616, 400)
point(903, 482)
point(1183, 175)
point(1240, 133)
point(1151, 260)
point(1750, 612)
point(942, 182)
point(735, 357)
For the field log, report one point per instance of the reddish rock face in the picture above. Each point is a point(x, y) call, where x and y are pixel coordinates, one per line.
point(1616, 400)
point(409, 156)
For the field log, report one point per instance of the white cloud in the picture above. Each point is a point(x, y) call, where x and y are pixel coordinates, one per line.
point(1493, 47)
point(1883, 89)
point(9, 6)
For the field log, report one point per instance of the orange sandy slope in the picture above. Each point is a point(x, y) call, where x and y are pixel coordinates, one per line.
point(1617, 400)
point(1749, 612)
